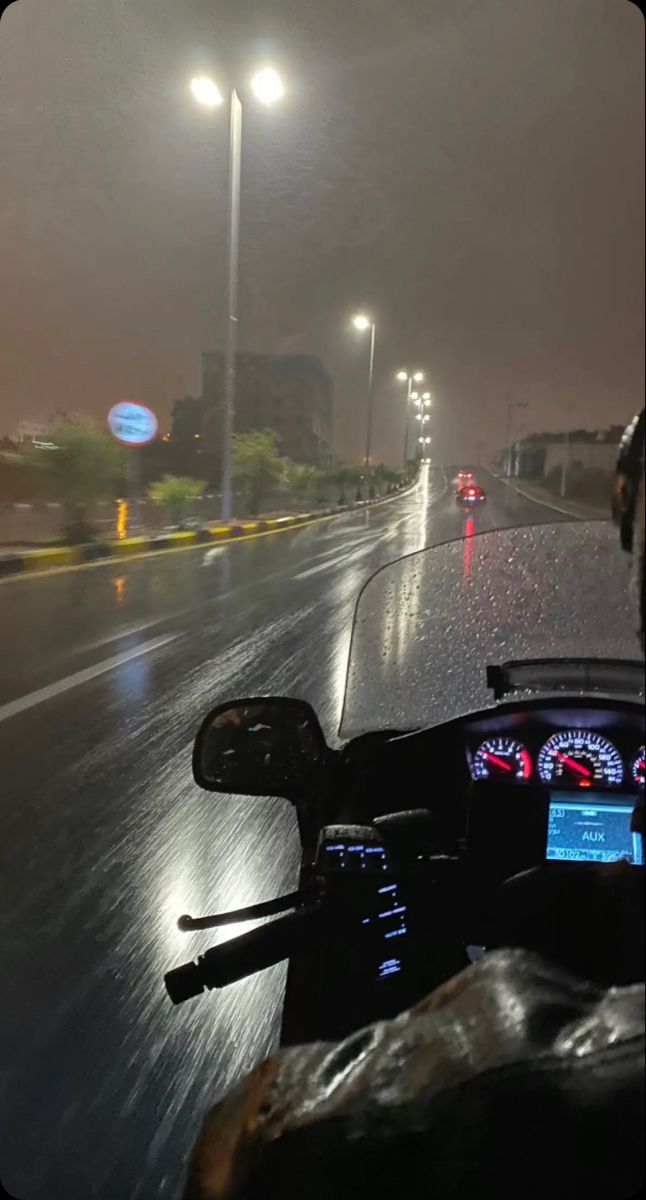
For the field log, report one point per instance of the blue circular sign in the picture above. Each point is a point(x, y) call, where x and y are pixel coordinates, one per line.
point(132, 424)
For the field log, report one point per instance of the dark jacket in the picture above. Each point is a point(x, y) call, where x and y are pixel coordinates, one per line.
point(514, 1079)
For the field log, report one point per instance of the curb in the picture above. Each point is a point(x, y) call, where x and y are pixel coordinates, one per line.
point(68, 557)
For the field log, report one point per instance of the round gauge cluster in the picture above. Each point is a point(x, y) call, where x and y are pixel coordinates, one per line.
point(502, 757)
point(571, 758)
point(580, 758)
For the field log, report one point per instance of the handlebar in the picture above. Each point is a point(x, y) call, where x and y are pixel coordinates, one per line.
point(244, 955)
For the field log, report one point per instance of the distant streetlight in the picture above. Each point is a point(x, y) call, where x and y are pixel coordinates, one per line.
point(409, 380)
point(362, 322)
point(267, 87)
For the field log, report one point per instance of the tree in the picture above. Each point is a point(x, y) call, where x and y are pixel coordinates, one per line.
point(385, 478)
point(339, 477)
point(177, 492)
point(258, 466)
point(77, 463)
point(302, 480)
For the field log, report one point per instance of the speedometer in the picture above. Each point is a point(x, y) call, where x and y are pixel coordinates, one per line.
point(502, 758)
point(580, 758)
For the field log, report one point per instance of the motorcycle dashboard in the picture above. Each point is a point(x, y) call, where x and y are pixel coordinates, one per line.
point(558, 743)
point(587, 745)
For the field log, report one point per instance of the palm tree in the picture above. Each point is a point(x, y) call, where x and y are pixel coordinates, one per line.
point(301, 480)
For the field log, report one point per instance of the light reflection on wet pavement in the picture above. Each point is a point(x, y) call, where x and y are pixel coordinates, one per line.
point(106, 839)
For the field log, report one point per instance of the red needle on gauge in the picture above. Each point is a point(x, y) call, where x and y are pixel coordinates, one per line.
point(500, 762)
point(571, 762)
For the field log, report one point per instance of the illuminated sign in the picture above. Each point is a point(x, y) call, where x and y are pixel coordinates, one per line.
point(132, 424)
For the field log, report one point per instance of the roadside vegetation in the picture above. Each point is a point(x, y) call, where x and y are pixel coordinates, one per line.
point(76, 464)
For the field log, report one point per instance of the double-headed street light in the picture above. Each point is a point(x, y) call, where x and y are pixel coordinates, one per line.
point(267, 87)
point(422, 417)
point(362, 322)
point(409, 380)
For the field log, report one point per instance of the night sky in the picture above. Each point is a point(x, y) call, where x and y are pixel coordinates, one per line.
point(471, 171)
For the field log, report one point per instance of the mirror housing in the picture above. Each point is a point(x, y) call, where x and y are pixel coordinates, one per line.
point(259, 746)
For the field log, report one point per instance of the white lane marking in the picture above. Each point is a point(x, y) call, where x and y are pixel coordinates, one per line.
point(333, 562)
point(125, 631)
point(361, 547)
point(71, 681)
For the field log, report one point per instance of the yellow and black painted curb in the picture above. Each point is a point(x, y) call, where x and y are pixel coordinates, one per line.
point(65, 557)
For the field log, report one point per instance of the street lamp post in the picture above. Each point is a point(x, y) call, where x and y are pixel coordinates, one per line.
point(228, 416)
point(409, 380)
point(267, 87)
point(409, 385)
point(362, 322)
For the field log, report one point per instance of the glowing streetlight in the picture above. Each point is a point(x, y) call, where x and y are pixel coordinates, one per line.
point(426, 397)
point(362, 322)
point(206, 92)
point(267, 87)
point(409, 379)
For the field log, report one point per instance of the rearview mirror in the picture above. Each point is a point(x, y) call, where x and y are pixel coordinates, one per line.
point(263, 746)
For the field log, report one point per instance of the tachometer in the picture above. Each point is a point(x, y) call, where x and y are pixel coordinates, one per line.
point(502, 758)
point(580, 758)
point(638, 766)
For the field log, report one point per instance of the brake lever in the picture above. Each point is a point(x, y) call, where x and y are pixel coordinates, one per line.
point(313, 891)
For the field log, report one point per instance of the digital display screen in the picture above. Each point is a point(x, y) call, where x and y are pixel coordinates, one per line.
point(591, 830)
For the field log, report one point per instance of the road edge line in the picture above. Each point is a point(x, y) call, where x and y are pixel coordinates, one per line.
point(566, 512)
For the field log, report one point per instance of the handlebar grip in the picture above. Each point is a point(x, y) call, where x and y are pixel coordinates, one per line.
point(244, 955)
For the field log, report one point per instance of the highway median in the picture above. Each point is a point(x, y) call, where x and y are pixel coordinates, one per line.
point(62, 558)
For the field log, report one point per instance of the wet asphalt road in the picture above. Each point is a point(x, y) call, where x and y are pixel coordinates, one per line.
point(106, 840)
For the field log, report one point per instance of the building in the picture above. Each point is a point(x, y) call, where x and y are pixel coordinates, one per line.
point(289, 394)
point(29, 431)
point(540, 455)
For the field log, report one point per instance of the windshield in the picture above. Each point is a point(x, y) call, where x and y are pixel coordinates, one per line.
point(427, 626)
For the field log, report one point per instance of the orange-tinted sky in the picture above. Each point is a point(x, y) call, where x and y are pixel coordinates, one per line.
point(473, 171)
